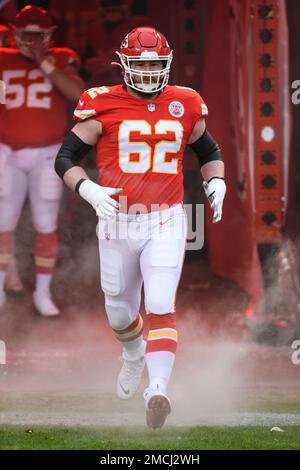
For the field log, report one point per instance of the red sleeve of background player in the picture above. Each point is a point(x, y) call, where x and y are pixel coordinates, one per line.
point(65, 57)
point(72, 58)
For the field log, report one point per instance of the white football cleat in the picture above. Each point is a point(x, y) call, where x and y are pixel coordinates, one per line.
point(157, 407)
point(130, 375)
point(44, 304)
point(2, 299)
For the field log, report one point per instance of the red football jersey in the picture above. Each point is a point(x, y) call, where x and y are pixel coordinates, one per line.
point(35, 113)
point(142, 143)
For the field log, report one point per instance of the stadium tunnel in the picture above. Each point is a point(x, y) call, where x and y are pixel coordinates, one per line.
point(241, 55)
point(58, 376)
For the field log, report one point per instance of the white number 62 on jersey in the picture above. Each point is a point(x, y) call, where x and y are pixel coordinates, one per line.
point(142, 150)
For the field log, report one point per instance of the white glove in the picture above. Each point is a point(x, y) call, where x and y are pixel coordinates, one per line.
point(215, 191)
point(99, 197)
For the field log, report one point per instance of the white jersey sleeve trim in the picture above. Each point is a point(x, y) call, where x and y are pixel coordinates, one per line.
point(85, 113)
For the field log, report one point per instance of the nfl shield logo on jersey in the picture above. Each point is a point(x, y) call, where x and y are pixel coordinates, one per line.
point(151, 107)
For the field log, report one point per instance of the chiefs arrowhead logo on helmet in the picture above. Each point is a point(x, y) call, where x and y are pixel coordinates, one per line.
point(124, 44)
point(145, 44)
point(30, 24)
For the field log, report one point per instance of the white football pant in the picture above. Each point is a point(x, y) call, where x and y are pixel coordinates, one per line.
point(136, 249)
point(30, 171)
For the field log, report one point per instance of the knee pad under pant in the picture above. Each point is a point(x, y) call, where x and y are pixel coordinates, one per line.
point(112, 277)
point(162, 271)
point(160, 295)
point(118, 314)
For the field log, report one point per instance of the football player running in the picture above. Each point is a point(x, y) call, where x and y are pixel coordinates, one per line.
point(140, 130)
point(39, 81)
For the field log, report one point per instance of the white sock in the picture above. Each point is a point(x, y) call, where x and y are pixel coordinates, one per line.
point(43, 282)
point(160, 365)
point(134, 349)
point(2, 280)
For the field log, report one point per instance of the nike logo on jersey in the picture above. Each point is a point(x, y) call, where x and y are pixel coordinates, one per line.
point(81, 103)
point(124, 390)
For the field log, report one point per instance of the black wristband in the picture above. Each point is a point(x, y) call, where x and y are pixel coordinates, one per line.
point(218, 177)
point(78, 184)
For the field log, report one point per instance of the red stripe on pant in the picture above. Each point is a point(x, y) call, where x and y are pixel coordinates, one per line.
point(6, 249)
point(156, 322)
point(46, 249)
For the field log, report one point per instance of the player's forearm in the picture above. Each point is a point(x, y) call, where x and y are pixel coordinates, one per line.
point(70, 86)
point(77, 180)
point(211, 169)
point(67, 161)
point(207, 151)
point(73, 176)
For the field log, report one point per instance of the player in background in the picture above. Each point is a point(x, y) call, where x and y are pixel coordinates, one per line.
point(40, 80)
point(13, 283)
point(140, 130)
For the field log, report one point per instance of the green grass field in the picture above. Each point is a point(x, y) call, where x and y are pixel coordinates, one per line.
point(79, 412)
point(199, 438)
point(87, 421)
